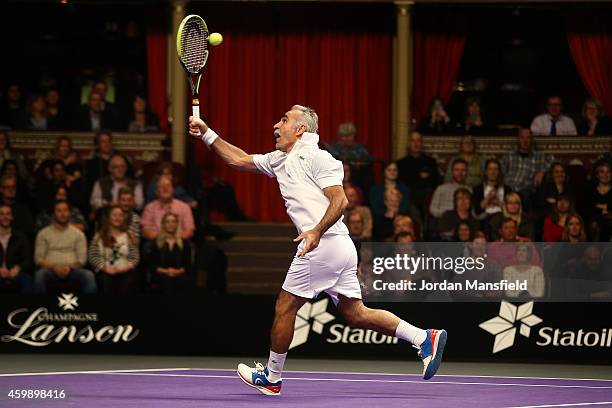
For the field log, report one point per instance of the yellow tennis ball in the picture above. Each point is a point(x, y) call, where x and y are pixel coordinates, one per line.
point(215, 39)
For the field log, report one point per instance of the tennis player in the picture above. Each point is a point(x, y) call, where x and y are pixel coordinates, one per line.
point(310, 181)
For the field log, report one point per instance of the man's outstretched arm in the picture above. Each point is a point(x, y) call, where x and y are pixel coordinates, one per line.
point(232, 155)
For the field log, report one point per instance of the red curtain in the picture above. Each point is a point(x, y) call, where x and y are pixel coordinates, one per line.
point(253, 79)
point(156, 63)
point(590, 41)
point(439, 40)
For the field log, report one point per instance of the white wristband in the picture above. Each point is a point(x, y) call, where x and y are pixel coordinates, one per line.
point(209, 137)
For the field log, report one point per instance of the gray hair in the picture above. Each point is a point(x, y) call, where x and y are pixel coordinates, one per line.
point(309, 118)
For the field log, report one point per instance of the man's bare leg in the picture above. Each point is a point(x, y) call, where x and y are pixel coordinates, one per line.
point(431, 342)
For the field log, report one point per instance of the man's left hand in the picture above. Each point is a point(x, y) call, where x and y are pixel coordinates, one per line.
point(311, 241)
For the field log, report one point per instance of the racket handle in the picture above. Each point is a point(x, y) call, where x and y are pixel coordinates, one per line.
point(195, 110)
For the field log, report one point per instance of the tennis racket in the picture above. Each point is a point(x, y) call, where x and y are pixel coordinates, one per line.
point(192, 51)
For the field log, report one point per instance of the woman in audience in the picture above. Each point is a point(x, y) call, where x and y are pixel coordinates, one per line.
point(512, 208)
point(594, 120)
point(7, 154)
point(599, 197)
point(348, 181)
point(56, 116)
point(113, 254)
point(45, 216)
point(554, 224)
point(489, 195)
point(524, 269)
point(390, 181)
point(63, 152)
point(467, 152)
point(574, 229)
point(438, 120)
point(171, 261)
point(462, 212)
point(383, 224)
point(24, 191)
point(472, 123)
point(142, 120)
point(555, 184)
point(35, 116)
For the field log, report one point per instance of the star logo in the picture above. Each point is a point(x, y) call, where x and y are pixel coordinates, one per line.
point(503, 326)
point(316, 311)
point(68, 301)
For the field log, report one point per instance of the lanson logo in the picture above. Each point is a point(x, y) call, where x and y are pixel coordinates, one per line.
point(504, 329)
point(338, 333)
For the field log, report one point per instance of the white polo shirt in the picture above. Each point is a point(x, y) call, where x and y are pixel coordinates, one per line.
point(302, 174)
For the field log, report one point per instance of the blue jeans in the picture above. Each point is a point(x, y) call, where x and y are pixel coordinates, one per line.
point(85, 278)
point(22, 283)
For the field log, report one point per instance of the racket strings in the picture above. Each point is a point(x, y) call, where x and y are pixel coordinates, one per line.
point(194, 44)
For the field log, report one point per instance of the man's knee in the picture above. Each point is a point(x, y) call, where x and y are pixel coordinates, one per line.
point(288, 304)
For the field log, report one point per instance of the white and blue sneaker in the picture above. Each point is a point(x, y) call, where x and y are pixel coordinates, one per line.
point(258, 378)
point(431, 351)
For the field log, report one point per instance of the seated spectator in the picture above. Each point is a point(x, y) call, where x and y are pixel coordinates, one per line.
point(467, 152)
point(405, 224)
point(56, 114)
point(11, 109)
point(165, 168)
point(554, 224)
point(35, 115)
point(594, 120)
point(512, 208)
point(106, 189)
point(590, 277)
point(463, 232)
point(553, 123)
point(383, 225)
point(524, 168)
point(24, 191)
point(574, 230)
point(113, 254)
point(353, 206)
point(142, 119)
point(63, 152)
point(438, 121)
point(524, 270)
point(473, 123)
point(355, 228)
point(171, 261)
point(15, 255)
point(503, 250)
point(348, 181)
point(346, 149)
point(45, 216)
point(22, 216)
point(132, 219)
point(46, 188)
point(489, 274)
point(60, 253)
point(377, 192)
point(599, 198)
point(418, 171)
point(489, 194)
point(6, 154)
point(155, 211)
point(461, 212)
point(442, 199)
point(554, 185)
point(94, 116)
point(97, 166)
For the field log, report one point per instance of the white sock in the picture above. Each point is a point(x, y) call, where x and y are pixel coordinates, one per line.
point(275, 366)
point(410, 333)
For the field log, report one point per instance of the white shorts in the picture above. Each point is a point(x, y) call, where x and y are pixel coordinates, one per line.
point(331, 267)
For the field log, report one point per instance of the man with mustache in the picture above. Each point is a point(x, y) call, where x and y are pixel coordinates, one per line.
point(310, 181)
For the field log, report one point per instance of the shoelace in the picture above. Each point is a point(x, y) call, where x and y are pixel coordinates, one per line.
point(259, 367)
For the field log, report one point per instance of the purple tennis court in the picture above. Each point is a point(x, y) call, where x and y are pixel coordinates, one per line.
point(222, 388)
